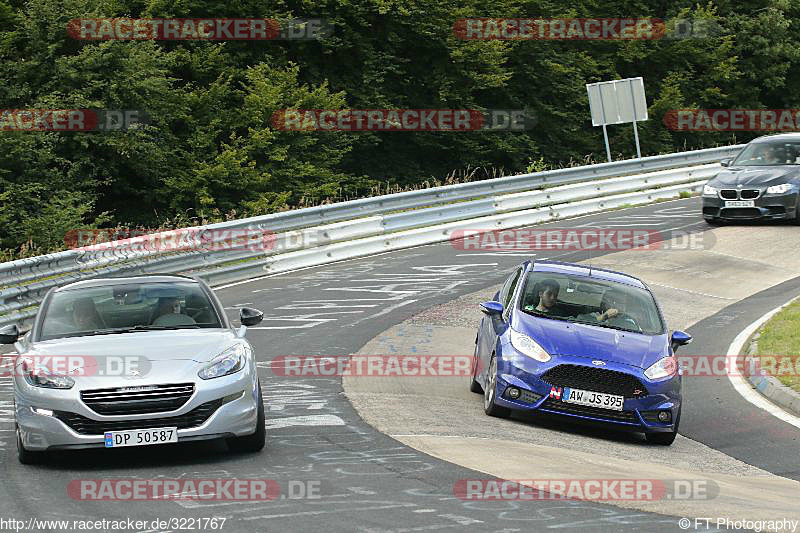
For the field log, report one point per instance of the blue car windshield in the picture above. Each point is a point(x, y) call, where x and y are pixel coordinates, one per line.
point(765, 154)
point(122, 308)
point(581, 299)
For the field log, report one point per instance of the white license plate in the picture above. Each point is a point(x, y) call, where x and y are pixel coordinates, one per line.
point(140, 437)
point(593, 399)
point(740, 203)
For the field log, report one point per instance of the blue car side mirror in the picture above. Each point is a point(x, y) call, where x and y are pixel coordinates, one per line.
point(679, 338)
point(492, 308)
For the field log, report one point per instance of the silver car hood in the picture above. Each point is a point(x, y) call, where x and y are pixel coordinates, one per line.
point(199, 345)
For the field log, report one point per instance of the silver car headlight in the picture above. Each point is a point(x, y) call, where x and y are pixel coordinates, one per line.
point(228, 362)
point(708, 190)
point(527, 346)
point(779, 189)
point(661, 369)
point(38, 375)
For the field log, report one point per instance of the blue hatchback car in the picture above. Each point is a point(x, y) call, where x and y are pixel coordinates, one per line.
point(580, 342)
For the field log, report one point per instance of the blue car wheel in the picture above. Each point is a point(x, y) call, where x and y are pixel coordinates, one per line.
point(474, 386)
point(490, 393)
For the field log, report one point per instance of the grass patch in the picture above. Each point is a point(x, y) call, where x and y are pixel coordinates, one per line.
point(780, 337)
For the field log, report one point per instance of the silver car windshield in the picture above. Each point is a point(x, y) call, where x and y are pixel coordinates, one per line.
point(765, 154)
point(127, 308)
point(593, 301)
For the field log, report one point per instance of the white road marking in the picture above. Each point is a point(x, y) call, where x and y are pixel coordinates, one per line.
point(462, 520)
point(306, 268)
point(434, 435)
point(310, 420)
point(384, 311)
point(365, 492)
point(330, 511)
point(744, 387)
point(501, 254)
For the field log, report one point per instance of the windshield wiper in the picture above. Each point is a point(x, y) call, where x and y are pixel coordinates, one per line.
point(150, 328)
point(545, 315)
point(609, 326)
point(602, 325)
point(134, 329)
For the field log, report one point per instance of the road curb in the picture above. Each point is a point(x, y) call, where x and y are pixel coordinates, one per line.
point(768, 386)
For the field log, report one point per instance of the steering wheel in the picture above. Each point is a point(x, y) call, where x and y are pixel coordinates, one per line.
point(624, 317)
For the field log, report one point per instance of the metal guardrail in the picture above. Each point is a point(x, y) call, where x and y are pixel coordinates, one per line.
point(370, 225)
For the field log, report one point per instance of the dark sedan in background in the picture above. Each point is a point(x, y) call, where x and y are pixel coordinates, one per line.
point(761, 183)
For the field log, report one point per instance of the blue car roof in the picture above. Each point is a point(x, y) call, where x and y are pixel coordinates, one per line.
point(589, 272)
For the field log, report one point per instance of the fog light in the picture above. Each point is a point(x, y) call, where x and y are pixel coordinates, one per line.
point(664, 416)
point(39, 411)
point(513, 393)
point(232, 397)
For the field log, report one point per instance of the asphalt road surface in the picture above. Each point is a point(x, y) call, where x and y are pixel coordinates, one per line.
point(335, 472)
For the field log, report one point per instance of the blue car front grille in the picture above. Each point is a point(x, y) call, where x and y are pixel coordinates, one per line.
point(595, 379)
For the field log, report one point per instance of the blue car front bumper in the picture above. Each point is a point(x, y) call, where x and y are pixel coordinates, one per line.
point(541, 383)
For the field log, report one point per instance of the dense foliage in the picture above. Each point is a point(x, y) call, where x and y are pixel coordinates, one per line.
point(211, 152)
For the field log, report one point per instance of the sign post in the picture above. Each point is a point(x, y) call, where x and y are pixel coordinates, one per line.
point(617, 102)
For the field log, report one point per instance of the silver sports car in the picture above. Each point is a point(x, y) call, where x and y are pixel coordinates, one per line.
point(134, 361)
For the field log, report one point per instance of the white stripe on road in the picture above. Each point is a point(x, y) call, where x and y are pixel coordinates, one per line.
point(310, 420)
point(744, 387)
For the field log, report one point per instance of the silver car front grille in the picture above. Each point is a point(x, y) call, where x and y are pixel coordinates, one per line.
point(138, 399)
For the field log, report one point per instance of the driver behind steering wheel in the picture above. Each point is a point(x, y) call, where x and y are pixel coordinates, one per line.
point(612, 306)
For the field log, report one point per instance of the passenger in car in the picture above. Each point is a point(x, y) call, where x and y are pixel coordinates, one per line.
point(169, 314)
point(546, 296)
point(85, 315)
point(773, 156)
point(167, 306)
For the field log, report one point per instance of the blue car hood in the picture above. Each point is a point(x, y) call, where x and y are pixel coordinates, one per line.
point(558, 337)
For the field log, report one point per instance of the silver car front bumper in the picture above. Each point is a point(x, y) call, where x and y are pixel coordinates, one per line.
point(39, 432)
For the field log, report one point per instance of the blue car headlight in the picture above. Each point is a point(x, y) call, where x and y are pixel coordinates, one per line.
point(228, 362)
point(662, 369)
point(779, 189)
point(527, 346)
